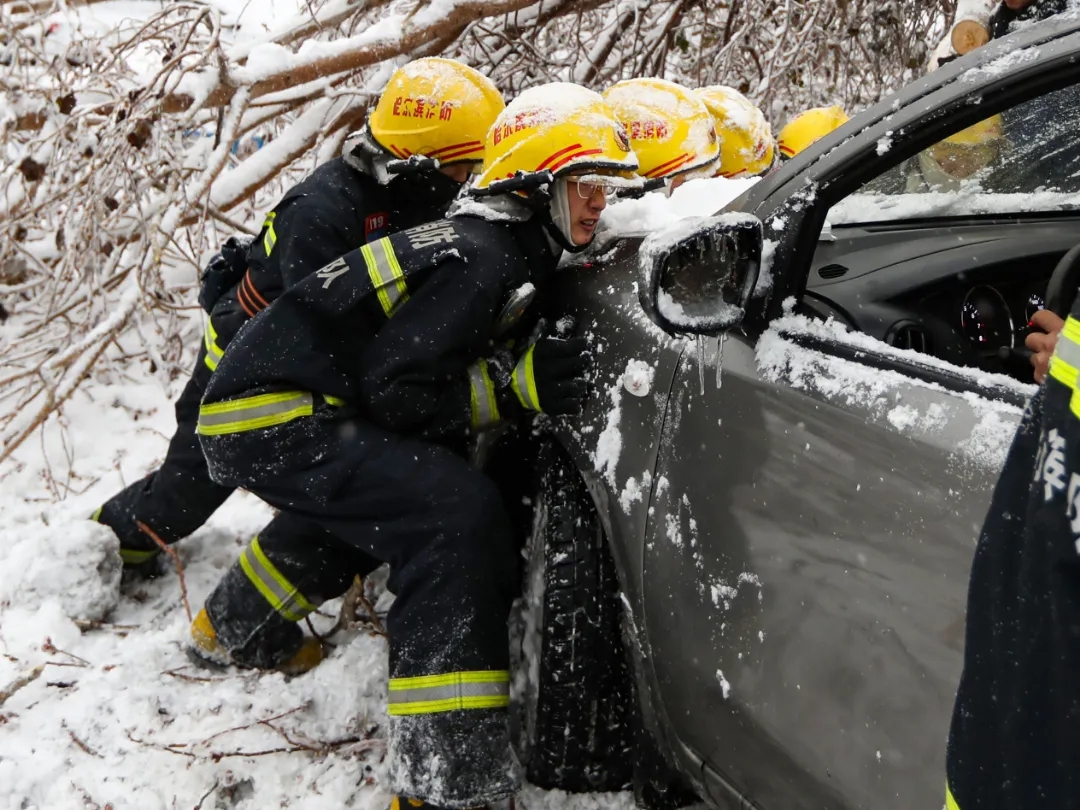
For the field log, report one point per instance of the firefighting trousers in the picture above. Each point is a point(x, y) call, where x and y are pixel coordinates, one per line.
point(287, 571)
point(441, 526)
point(179, 497)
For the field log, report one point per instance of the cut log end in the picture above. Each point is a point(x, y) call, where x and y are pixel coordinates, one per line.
point(967, 35)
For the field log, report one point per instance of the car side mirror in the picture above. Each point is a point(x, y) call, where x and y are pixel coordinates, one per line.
point(698, 277)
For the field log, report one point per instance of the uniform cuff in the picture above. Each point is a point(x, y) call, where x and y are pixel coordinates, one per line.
point(484, 408)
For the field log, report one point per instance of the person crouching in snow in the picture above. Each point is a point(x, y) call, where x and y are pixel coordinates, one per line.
point(341, 403)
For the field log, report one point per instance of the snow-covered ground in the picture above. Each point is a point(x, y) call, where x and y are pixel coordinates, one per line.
point(118, 716)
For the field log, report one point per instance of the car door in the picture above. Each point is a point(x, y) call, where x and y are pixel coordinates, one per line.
point(812, 531)
point(815, 507)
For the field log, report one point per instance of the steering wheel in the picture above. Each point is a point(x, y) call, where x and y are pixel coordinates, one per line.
point(1061, 291)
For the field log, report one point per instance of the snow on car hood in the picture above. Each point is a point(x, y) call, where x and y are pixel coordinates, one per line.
point(655, 211)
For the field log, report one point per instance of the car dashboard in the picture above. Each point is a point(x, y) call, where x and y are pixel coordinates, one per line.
point(963, 291)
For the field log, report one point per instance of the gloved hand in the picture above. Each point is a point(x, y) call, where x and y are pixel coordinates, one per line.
point(550, 376)
point(224, 270)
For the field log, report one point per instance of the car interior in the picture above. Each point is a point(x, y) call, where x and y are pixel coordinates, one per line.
point(951, 252)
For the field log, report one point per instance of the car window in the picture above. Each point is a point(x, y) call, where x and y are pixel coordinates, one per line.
point(1026, 159)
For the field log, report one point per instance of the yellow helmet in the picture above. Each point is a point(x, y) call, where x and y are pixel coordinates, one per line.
point(436, 108)
point(985, 132)
point(808, 127)
point(671, 130)
point(558, 128)
point(746, 141)
point(964, 153)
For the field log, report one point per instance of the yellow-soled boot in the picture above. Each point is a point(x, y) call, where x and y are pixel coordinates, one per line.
point(206, 649)
point(204, 641)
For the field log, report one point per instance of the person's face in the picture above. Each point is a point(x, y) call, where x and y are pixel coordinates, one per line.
point(1018, 5)
point(458, 172)
point(587, 202)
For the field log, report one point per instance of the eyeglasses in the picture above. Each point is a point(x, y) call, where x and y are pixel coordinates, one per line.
point(587, 190)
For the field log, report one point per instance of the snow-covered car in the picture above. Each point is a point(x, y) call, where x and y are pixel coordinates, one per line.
point(750, 556)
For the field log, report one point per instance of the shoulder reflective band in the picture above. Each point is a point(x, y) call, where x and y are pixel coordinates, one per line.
point(213, 351)
point(251, 413)
point(283, 596)
point(428, 694)
point(1065, 364)
point(385, 274)
point(950, 802)
point(524, 383)
point(484, 410)
point(269, 238)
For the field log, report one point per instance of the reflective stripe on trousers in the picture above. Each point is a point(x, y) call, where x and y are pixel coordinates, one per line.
point(129, 556)
point(428, 694)
point(251, 413)
point(385, 274)
point(283, 596)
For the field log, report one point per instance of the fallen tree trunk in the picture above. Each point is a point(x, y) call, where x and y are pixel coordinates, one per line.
point(971, 28)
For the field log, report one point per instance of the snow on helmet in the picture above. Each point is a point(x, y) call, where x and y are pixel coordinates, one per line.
point(808, 127)
point(746, 140)
point(671, 130)
point(552, 131)
point(436, 108)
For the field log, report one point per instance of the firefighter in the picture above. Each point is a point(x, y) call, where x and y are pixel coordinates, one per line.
point(671, 131)
point(1015, 736)
point(346, 402)
point(747, 148)
point(807, 128)
point(422, 141)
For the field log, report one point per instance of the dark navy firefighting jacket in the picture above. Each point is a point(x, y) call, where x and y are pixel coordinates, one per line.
point(392, 327)
point(337, 208)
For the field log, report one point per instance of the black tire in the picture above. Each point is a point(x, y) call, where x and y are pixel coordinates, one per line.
point(578, 724)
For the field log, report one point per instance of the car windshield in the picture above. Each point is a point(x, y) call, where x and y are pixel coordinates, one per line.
point(1025, 160)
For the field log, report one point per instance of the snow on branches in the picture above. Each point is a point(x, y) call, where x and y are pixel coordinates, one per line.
point(132, 149)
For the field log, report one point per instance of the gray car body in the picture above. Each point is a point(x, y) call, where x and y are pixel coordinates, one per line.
point(793, 556)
